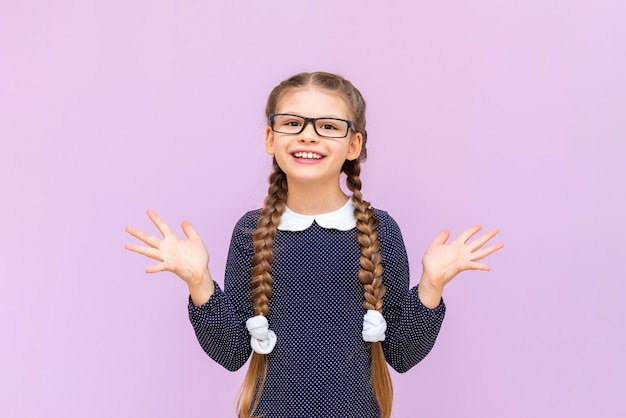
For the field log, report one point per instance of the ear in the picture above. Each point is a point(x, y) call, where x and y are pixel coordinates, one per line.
point(354, 150)
point(269, 140)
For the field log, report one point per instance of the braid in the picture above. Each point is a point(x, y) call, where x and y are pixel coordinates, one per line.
point(370, 275)
point(263, 238)
point(261, 283)
point(371, 268)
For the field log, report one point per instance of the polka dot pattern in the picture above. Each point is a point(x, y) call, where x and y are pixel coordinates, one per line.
point(320, 365)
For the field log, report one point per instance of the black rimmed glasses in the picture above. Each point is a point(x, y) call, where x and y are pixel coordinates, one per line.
point(284, 123)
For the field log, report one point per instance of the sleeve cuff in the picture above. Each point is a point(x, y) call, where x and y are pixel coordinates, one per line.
point(208, 306)
point(440, 309)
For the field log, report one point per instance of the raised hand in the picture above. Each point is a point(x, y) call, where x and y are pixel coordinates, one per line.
point(188, 259)
point(442, 262)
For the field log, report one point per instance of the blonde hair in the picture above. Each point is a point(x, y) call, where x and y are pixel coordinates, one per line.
point(370, 273)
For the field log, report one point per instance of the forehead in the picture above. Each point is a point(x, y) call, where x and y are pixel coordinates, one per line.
point(313, 102)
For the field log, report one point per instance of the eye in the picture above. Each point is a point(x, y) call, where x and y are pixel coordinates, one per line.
point(291, 121)
point(330, 125)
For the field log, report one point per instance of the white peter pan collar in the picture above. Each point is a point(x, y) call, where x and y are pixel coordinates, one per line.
point(342, 219)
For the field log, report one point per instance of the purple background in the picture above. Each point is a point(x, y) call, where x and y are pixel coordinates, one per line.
point(509, 114)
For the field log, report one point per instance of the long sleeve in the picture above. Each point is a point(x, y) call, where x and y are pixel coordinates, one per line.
point(219, 324)
point(412, 328)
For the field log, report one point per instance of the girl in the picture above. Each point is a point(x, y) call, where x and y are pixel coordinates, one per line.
point(317, 283)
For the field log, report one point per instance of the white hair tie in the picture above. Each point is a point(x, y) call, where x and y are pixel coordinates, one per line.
point(374, 326)
point(263, 339)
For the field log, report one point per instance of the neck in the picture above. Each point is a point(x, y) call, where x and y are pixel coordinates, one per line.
point(315, 199)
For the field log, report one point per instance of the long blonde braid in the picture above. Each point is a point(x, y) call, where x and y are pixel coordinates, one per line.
point(261, 283)
point(371, 277)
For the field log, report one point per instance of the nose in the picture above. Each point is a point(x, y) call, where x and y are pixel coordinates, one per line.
point(309, 134)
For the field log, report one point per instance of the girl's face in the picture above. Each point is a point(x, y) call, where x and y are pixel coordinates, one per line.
point(306, 157)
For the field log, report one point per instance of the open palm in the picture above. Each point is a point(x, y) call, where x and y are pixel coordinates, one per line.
point(188, 258)
point(442, 262)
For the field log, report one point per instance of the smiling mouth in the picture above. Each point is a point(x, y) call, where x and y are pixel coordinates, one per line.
point(307, 155)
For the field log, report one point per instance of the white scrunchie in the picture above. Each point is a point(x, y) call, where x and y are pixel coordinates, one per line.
point(374, 326)
point(263, 339)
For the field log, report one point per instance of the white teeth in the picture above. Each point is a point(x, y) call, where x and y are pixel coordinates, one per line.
point(307, 155)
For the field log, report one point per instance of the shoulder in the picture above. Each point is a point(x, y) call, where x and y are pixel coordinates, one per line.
point(389, 234)
point(386, 223)
point(244, 228)
point(249, 219)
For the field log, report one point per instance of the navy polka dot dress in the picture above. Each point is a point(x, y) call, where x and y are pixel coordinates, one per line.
point(320, 365)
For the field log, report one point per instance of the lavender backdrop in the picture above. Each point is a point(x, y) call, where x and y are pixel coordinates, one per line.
point(509, 114)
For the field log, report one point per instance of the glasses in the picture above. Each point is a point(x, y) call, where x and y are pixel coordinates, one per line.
point(284, 123)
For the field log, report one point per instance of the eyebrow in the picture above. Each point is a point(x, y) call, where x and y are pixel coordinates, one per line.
point(318, 117)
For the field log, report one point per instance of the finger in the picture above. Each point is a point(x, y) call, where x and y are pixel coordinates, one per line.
point(190, 233)
point(472, 265)
point(479, 255)
point(483, 239)
point(442, 237)
point(159, 223)
point(152, 253)
point(479, 266)
point(157, 268)
point(144, 237)
point(469, 233)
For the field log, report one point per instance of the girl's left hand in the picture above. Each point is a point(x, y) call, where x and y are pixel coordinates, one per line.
point(442, 262)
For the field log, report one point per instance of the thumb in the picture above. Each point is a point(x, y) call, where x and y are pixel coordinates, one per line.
point(442, 237)
point(190, 233)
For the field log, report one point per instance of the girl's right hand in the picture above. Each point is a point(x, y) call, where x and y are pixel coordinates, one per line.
point(188, 259)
